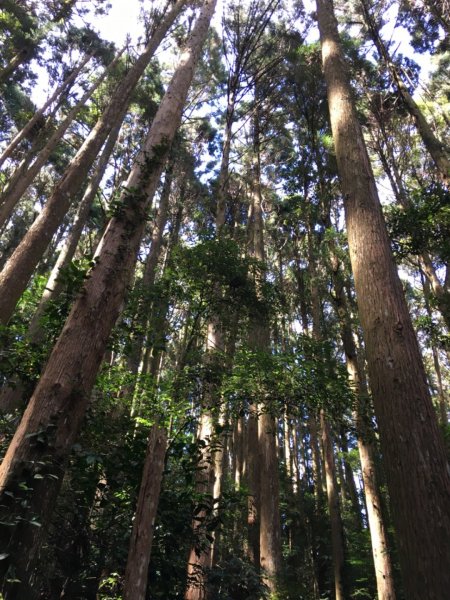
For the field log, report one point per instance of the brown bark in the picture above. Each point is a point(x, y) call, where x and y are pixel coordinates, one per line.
point(440, 291)
point(413, 450)
point(259, 340)
point(442, 396)
point(144, 309)
point(436, 149)
point(11, 395)
point(23, 177)
point(337, 536)
point(53, 287)
point(60, 400)
point(38, 115)
point(200, 554)
point(378, 537)
point(19, 268)
point(349, 482)
point(135, 584)
point(329, 463)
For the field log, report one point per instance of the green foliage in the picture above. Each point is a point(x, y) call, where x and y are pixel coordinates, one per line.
point(423, 227)
point(290, 381)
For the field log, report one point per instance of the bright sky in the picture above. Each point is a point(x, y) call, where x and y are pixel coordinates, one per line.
point(123, 19)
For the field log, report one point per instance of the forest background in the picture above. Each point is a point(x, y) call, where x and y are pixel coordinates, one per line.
point(214, 384)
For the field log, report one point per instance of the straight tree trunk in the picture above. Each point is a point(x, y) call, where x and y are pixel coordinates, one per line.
point(200, 561)
point(259, 340)
point(22, 178)
point(19, 268)
point(148, 279)
point(337, 534)
point(135, 584)
point(200, 554)
point(53, 287)
point(440, 291)
point(436, 149)
point(57, 408)
point(412, 447)
point(378, 538)
point(329, 463)
point(11, 395)
point(38, 115)
point(443, 416)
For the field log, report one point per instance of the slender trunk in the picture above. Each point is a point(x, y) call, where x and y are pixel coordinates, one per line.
point(53, 286)
point(38, 115)
point(19, 268)
point(334, 509)
point(19, 58)
point(60, 400)
point(259, 339)
point(440, 291)
point(412, 447)
point(215, 345)
point(200, 554)
point(366, 448)
point(337, 535)
point(350, 482)
point(135, 584)
point(149, 275)
point(22, 178)
point(441, 294)
point(436, 149)
point(443, 416)
point(12, 395)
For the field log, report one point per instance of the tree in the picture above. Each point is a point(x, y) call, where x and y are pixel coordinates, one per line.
point(19, 268)
point(417, 479)
point(114, 261)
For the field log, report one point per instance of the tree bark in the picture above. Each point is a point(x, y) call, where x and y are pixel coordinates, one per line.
point(436, 149)
point(23, 177)
point(19, 268)
point(53, 287)
point(378, 538)
point(259, 340)
point(54, 415)
point(135, 584)
point(38, 115)
point(329, 463)
point(337, 533)
point(413, 450)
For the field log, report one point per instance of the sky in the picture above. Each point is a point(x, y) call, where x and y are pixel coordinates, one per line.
point(122, 20)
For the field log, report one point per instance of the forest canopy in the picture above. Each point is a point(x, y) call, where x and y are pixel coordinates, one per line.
point(224, 300)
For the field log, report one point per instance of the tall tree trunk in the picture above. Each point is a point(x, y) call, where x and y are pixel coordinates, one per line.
point(378, 538)
point(38, 115)
point(443, 414)
point(436, 149)
point(53, 287)
point(19, 268)
point(201, 559)
point(22, 178)
point(259, 340)
point(337, 534)
point(200, 554)
point(388, 161)
point(56, 410)
point(412, 447)
point(11, 395)
point(135, 584)
point(150, 270)
point(334, 509)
